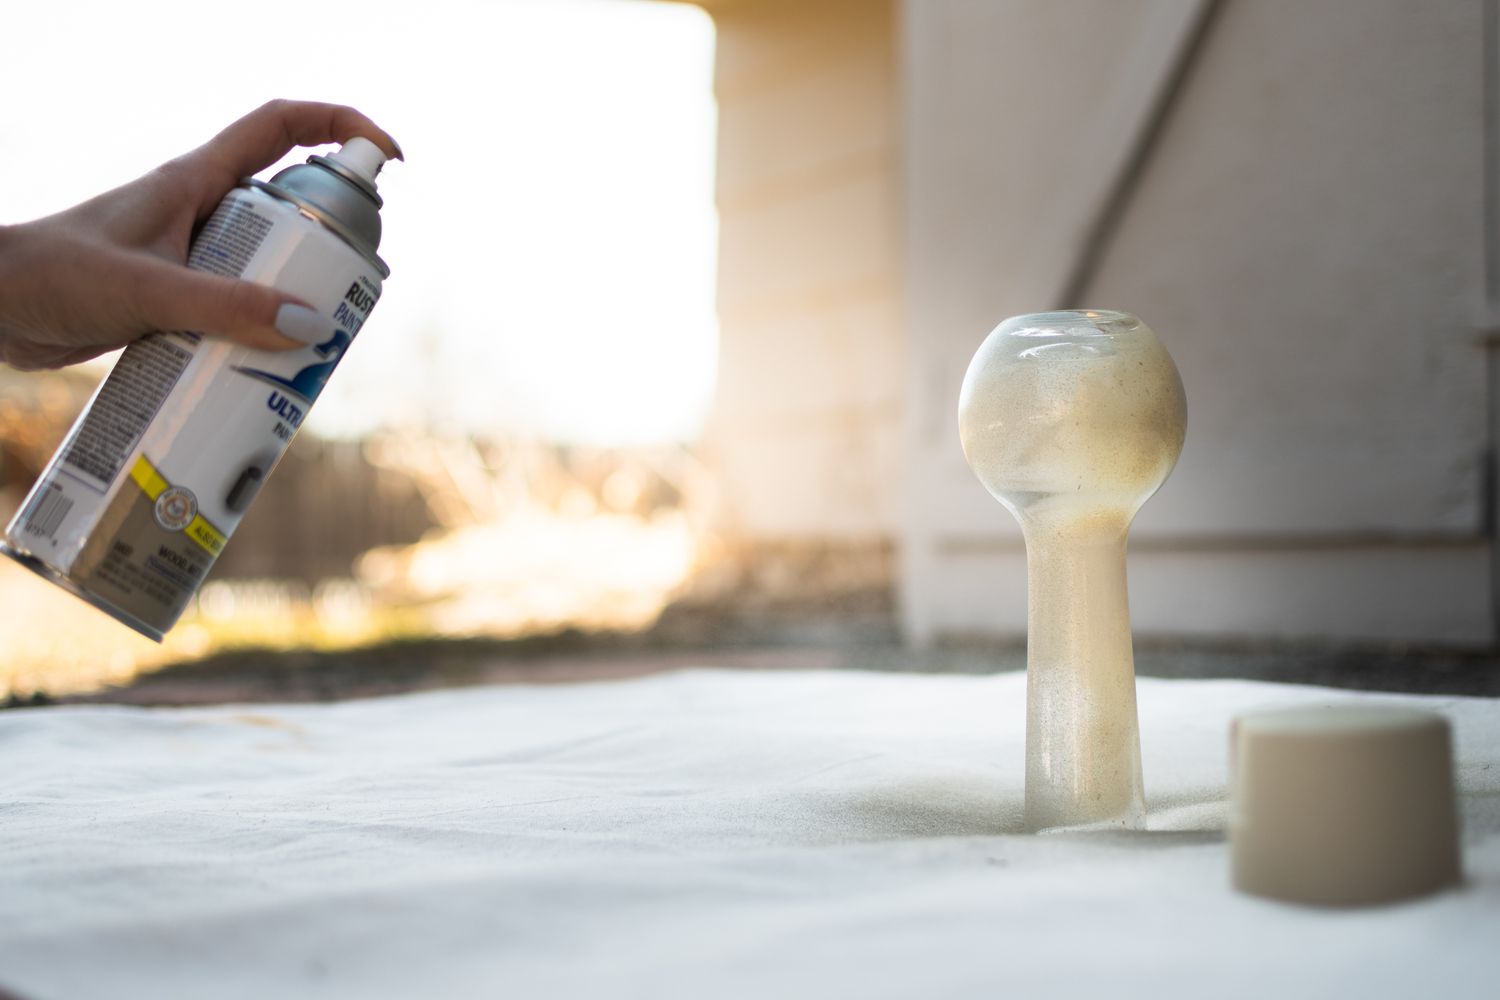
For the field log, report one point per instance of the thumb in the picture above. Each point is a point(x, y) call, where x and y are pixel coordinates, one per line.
point(171, 297)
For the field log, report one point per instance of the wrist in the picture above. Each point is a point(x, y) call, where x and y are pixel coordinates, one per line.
point(9, 243)
point(18, 281)
point(7, 264)
point(18, 252)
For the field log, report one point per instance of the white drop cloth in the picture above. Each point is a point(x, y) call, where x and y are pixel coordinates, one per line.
point(705, 834)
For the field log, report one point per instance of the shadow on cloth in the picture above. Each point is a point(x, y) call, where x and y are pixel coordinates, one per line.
point(977, 808)
point(927, 808)
point(1199, 810)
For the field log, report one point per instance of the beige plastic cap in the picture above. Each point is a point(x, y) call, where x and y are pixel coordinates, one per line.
point(1342, 805)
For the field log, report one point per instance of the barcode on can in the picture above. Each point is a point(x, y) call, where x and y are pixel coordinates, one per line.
point(46, 511)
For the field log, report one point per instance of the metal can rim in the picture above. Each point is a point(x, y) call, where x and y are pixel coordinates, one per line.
point(318, 212)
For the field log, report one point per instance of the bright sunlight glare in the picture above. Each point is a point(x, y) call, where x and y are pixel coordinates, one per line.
point(551, 237)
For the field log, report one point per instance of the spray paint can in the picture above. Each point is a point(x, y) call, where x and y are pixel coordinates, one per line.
point(156, 473)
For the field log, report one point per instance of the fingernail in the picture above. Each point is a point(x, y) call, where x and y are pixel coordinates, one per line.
point(302, 324)
point(399, 155)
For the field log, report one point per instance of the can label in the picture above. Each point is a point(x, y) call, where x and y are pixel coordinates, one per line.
point(155, 475)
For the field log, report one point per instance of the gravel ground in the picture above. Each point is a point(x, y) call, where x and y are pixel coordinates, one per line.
point(842, 643)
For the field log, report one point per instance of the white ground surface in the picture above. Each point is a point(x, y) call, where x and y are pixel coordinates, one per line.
point(708, 833)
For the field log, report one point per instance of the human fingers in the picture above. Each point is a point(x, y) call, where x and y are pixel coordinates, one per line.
point(28, 356)
point(168, 296)
point(266, 134)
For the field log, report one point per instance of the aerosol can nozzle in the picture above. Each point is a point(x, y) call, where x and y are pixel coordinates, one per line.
point(360, 156)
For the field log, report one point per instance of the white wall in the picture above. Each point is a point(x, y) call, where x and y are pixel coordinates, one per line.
point(1306, 239)
point(1306, 236)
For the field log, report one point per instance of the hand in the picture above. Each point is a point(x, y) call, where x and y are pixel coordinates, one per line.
point(95, 277)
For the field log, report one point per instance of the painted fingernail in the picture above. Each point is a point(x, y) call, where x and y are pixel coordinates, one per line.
point(301, 323)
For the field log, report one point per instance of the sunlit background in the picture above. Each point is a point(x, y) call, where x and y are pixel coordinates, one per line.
point(539, 366)
point(552, 237)
point(683, 295)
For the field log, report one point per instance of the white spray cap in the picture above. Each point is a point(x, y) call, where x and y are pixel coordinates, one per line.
point(360, 156)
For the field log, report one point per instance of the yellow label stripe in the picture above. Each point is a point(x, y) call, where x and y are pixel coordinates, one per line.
point(206, 535)
point(147, 478)
point(153, 484)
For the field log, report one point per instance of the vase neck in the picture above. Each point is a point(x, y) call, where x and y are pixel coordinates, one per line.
point(1083, 756)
